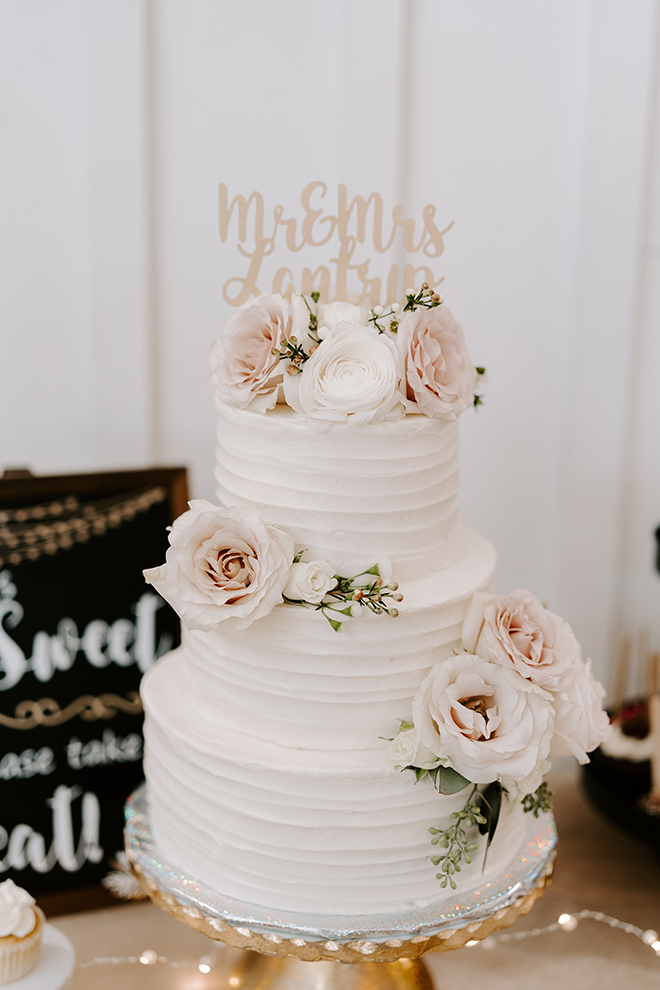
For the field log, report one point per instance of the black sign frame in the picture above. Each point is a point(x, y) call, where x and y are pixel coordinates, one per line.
point(101, 718)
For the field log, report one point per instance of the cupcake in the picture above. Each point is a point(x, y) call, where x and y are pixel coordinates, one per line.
point(21, 924)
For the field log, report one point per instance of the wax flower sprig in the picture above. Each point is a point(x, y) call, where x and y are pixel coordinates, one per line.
point(292, 350)
point(295, 353)
point(349, 595)
point(424, 298)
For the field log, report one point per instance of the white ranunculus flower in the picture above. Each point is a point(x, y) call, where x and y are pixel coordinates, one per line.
point(222, 564)
point(487, 720)
point(330, 314)
point(352, 377)
point(580, 722)
point(17, 915)
point(406, 750)
point(310, 581)
point(517, 631)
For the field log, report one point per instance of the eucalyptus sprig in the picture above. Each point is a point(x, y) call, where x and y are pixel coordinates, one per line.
point(455, 840)
point(354, 597)
point(539, 800)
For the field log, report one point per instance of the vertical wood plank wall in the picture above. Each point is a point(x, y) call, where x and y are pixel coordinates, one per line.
point(533, 126)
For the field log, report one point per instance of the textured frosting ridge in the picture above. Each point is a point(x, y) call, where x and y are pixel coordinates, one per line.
point(350, 495)
point(268, 770)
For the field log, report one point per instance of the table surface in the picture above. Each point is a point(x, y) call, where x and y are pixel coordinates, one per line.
point(598, 868)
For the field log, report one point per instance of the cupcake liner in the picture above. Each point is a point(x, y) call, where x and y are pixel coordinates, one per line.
point(19, 955)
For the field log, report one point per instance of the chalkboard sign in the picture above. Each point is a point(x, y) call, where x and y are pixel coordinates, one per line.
point(78, 628)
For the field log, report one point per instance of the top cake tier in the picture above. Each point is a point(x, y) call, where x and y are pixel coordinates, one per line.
point(350, 495)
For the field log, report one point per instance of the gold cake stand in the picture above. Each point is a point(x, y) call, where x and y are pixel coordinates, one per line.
point(277, 958)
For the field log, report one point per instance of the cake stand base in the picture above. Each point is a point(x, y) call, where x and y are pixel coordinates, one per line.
point(257, 972)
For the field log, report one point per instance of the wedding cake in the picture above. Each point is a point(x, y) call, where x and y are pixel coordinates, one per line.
point(354, 716)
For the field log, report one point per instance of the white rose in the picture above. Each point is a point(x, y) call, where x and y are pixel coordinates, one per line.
point(221, 564)
point(517, 631)
point(353, 377)
point(310, 581)
point(17, 915)
point(580, 722)
point(330, 314)
point(407, 750)
point(487, 720)
point(245, 371)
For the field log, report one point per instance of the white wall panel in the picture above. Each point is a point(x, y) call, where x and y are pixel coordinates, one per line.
point(74, 369)
point(500, 93)
point(598, 425)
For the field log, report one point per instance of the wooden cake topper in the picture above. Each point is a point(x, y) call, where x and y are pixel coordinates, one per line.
point(356, 223)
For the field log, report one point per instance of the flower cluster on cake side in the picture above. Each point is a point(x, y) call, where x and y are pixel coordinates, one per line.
point(337, 362)
point(488, 718)
point(230, 564)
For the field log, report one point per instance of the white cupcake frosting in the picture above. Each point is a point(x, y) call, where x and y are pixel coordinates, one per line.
point(17, 915)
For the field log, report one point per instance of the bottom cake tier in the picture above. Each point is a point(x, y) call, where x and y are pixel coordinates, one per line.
point(292, 828)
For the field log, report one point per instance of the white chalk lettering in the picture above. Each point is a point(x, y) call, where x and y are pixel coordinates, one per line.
point(122, 642)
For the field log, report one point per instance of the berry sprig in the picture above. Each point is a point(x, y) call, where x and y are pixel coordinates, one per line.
point(424, 298)
point(354, 597)
point(295, 353)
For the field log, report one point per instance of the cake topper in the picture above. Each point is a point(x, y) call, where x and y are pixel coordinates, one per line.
point(355, 223)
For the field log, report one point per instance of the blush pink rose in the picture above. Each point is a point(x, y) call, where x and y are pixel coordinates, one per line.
point(245, 371)
point(485, 720)
point(222, 564)
point(440, 376)
point(517, 631)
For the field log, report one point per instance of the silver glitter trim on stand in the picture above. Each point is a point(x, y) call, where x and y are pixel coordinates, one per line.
point(531, 862)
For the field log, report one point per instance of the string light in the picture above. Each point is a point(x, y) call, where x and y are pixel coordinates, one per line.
point(566, 922)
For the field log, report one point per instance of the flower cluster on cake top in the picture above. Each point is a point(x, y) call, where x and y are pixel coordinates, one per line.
point(337, 362)
point(493, 714)
point(229, 564)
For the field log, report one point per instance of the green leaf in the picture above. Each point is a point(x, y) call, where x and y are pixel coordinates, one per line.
point(405, 726)
point(480, 371)
point(372, 570)
point(419, 773)
point(449, 781)
point(490, 804)
point(298, 557)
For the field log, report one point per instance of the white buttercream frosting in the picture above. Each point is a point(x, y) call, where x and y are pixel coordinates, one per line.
point(17, 916)
point(351, 495)
point(268, 776)
point(267, 758)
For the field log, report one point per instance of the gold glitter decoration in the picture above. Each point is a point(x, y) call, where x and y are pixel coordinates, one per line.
point(356, 950)
point(31, 532)
point(48, 712)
